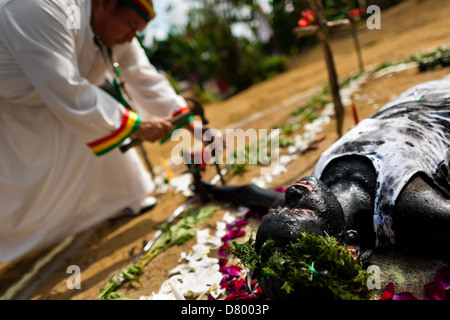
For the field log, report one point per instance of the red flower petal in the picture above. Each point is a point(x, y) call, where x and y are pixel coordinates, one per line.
point(252, 214)
point(404, 296)
point(235, 267)
point(434, 291)
point(224, 282)
point(356, 12)
point(281, 189)
point(309, 15)
point(241, 222)
point(231, 271)
point(303, 22)
point(388, 292)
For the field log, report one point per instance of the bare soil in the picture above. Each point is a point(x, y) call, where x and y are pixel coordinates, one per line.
point(411, 27)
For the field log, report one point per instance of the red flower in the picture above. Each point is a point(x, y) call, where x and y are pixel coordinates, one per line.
point(233, 271)
point(223, 261)
point(303, 22)
point(356, 12)
point(308, 14)
point(435, 290)
point(233, 234)
point(388, 292)
point(238, 290)
point(307, 20)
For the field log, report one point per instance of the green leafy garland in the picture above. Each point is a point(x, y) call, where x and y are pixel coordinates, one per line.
point(430, 60)
point(319, 264)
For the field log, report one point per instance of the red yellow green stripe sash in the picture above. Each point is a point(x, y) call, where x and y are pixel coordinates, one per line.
point(130, 122)
point(180, 111)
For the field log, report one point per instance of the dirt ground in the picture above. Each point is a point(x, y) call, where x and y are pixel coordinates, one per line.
point(411, 27)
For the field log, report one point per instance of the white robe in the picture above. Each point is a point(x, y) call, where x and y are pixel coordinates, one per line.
point(51, 183)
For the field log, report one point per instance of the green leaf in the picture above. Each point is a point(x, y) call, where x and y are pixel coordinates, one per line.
point(173, 233)
point(334, 274)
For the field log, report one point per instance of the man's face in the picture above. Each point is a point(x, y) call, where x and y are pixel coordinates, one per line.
point(309, 206)
point(116, 25)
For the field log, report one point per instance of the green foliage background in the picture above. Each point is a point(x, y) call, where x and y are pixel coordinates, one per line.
point(207, 49)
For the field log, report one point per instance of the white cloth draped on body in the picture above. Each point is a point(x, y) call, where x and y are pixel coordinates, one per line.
point(409, 135)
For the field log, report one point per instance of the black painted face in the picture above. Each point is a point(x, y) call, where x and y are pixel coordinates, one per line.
point(309, 206)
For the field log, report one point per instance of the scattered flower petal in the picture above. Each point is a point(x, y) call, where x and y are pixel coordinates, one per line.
point(233, 272)
point(404, 296)
point(355, 13)
point(434, 291)
point(388, 292)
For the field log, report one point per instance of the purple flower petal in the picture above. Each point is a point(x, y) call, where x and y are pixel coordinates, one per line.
point(233, 234)
point(241, 222)
point(224, 282)
point(253, 214)
point(232, 271)
point(404, 296)
point(443, 276)
point(238, 295)
point(434, 291)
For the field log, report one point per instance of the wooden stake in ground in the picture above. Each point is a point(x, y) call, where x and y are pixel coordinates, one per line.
point(316, 7)
point(357, 46)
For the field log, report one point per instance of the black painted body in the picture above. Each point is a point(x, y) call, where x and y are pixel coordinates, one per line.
point(342, 201)
point(384, 182)
point(404, 146)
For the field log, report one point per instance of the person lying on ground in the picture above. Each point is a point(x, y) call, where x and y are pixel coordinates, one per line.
point(384, 183)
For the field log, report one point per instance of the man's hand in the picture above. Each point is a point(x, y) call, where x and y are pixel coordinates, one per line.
point(153, 128)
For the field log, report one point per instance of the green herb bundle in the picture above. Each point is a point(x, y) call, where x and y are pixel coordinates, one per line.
point(315, 267)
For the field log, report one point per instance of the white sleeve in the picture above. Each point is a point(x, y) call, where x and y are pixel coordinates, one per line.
point(149, 89)
point(37, 36)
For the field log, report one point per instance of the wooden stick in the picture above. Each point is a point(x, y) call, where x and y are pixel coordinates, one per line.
point(357, 46)
point(316, 7)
